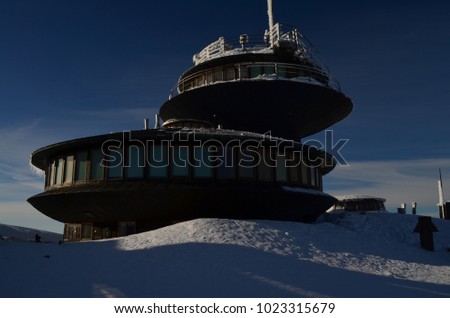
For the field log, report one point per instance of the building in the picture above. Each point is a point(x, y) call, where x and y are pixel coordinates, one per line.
point(229, 146)
point(358, 203)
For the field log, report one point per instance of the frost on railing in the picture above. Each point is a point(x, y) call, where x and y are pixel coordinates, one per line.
point(289, 37)
point(306, 66)
point(232, 46)
point(213, 50)
point(281, 36)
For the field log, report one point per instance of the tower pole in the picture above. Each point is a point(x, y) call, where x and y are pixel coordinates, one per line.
point(270, 14)
point(442, 212)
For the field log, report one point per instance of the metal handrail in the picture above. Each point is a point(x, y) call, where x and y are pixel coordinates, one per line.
point(282, 33)
point(279, 35)
point(267, 70)
point(222, 46)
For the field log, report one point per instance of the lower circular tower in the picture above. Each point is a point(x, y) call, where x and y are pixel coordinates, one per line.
point(229, 146)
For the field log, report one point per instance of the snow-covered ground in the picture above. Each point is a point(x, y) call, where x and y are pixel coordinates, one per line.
point(18, 233)
point(342, 255)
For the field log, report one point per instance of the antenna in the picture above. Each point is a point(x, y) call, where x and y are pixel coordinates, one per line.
point(441, 191)
point(270, 14)
point(443, 213)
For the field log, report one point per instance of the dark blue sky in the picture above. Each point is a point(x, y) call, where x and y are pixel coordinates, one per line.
point(75, 68)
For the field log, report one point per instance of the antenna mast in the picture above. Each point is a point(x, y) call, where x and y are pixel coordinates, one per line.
point(270, 14)
point(441, 192)
point(443, 213)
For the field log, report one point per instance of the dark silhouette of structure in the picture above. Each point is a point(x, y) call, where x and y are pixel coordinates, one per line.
point(212, 156)
point(426, 228)
point(443, 206)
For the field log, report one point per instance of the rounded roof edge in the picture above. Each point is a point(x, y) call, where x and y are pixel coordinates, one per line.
point(40, 157)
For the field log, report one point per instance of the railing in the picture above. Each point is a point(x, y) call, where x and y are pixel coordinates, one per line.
point(232, 45)
point(287, 35)
point(255, 71)
point(279, 36)
point(211, 51)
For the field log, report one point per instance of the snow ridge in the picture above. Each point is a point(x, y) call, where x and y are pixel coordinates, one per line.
point(18, 233)
point(341, 255)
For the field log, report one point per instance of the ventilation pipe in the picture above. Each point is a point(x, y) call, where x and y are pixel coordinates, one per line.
point(157, 121)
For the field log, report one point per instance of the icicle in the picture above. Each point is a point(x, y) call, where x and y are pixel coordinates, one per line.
point(36, 171)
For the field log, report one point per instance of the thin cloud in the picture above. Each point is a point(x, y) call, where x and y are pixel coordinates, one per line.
point(397, 181)
point(116, 114)
point(22, 214)
point(18, 181)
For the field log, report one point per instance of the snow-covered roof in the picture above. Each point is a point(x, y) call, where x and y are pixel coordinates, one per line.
point(220, 49)
point(357, 197)
point(279, 35)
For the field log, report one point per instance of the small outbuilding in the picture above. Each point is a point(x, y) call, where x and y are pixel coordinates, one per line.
point(358, 203)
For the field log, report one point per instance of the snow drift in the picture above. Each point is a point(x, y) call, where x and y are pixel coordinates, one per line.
point(342, 255)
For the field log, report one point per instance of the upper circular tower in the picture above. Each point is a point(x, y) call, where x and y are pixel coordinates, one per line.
point(273, 83)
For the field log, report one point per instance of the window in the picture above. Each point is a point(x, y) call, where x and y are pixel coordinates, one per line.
point(319, 178)
point(96, 165)
point(86, 231)
point(47, 175)
point(292, 72)
point(200, 80)
point(127, 228)
point(136, 162)
point(282, 71)
point(225, 163)
point(106, 232)
point(217, 75)
point(243, 72)
point(305, 176)
point(97, 233)
point(180, 161)
point(313, 176)
point(59, 171)
point(294, 164)
point(52, 174)
point(269, 69)
point(264, 166)
point(209, 77)
point(202, 162)
point(246, 164)
point(68, 170)
point(254, 71)
point(281, 171)
point(229, 73)
point(158, 158)
point(72, 232)
point(293, 174)
point(80, 166)
point(115, 163)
